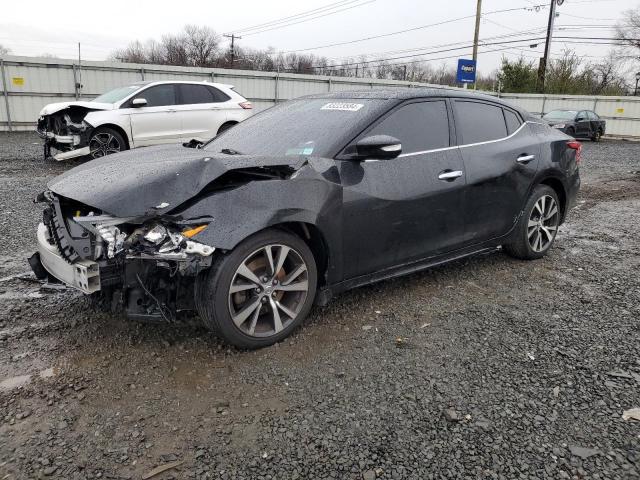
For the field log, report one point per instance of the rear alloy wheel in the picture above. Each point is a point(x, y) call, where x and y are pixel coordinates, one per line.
point(538, 226)
point(260, 292)
point(105, 141)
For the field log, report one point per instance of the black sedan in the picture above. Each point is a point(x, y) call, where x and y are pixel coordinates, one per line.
point(577, 123)
point(306, 200)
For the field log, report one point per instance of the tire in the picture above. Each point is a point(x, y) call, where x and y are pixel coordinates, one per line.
point(106, 141)
point(597, 136)
point(254, 302)
point(532, 227)
point(225, 126)
point(571, 132)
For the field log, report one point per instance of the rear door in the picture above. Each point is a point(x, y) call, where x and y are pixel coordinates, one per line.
point(202, 110)
point(500, 156)
point(157, 122)
point(397, 211)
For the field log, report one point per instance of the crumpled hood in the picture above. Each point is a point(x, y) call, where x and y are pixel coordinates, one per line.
point(140, 182)
point(56, 107)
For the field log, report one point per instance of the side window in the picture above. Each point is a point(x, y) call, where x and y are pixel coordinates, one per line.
point(218, 96)
point(159, 96)
point(194, 94)
point(582, 115)
point(513, 121)
point(419, 126)
point(479, 122)
point(593, 116)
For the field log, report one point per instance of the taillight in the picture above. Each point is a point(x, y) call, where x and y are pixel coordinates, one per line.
point(577, 146)
point(246, 105)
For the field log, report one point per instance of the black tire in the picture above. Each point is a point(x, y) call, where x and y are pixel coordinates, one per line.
point(571, 132)
point(597, 136)
point(225, 126)
point(213, 297)
point(521, 247)
point(114, 142)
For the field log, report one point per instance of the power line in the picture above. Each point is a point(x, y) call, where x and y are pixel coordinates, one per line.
point(307, 19)
point(592, 40)
point(398, 32)
point(291, 17)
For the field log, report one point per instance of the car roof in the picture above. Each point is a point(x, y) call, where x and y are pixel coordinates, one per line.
point(405, 93)
point(196, 82)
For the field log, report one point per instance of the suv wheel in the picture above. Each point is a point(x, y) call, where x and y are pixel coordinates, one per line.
point(258, 293)
point(105, 141)
point(537, 228)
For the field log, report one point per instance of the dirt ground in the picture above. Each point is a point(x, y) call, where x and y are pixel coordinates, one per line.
point(505, 369)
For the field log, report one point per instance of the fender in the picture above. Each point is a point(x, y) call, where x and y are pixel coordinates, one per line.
point(240, 212)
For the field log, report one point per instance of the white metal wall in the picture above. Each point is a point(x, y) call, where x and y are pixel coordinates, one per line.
point(27, 84)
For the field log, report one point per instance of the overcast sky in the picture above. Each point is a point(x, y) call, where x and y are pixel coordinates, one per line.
point(38, 27)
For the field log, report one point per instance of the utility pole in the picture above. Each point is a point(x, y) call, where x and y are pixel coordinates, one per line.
point(233, 37)
point(475, 38)
point(79, 85)
point(542, 69)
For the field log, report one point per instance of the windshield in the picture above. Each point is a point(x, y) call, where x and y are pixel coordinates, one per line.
point(561, 114)
point(315, 126)
point(117, 94)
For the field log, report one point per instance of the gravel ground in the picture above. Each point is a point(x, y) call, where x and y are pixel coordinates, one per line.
point(487, 368)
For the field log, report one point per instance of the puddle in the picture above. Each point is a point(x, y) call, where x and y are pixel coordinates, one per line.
point(49, 372)
point(14, 382)
point(20, 380)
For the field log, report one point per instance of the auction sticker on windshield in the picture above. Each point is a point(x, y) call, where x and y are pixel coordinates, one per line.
point(345, 107)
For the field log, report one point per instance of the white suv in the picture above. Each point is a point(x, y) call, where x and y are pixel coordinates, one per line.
point(140, 114)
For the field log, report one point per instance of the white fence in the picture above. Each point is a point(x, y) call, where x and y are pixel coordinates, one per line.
point(27, 84)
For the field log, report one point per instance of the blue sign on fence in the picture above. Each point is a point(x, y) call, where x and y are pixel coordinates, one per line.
point(466, 71)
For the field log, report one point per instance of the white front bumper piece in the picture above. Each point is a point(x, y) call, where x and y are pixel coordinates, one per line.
point(83, 275)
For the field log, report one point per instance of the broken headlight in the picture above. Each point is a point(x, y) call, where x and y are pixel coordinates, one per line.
point(168, 241)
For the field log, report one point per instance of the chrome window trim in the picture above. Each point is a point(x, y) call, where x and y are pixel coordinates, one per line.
point(402, 155)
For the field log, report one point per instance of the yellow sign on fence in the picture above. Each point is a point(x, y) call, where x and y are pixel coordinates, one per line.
point(619, 110)
point(17, 81)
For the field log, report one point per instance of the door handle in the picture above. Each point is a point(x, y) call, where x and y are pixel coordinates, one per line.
point(450, 175)
point(524, 159)
point(170, 110)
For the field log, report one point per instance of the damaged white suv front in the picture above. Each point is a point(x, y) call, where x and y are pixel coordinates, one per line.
point(139, 115)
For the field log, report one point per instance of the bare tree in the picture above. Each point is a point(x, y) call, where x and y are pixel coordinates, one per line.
point(4, 50)
point(202, 45)
point(628, 29)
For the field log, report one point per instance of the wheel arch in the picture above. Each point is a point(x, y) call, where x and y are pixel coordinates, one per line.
point(227, 124)
point(315, 240)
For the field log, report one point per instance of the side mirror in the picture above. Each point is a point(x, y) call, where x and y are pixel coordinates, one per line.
point(139, 102)
point(380, 147)
point(580, 119)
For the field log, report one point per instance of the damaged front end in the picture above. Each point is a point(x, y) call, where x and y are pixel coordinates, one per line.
point(146, 265)
point(64, 128)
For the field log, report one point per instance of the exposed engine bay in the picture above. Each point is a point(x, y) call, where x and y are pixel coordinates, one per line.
point(145, 266)
point(66, 131)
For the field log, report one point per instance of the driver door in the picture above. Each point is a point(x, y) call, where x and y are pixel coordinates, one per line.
point(157, 122)
point(402, 210)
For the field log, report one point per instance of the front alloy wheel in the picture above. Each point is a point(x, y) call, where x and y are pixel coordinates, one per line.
point(268, 290)
point(259, 292)
point(104, 142)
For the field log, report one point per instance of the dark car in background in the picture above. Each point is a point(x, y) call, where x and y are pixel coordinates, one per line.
point(577, 123)
point(306, 200)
